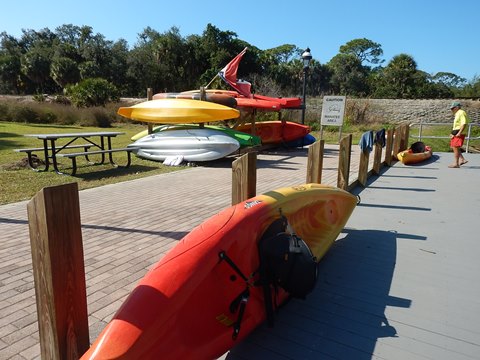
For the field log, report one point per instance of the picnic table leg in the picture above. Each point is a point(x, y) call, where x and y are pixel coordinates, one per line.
point(74, 166)
point(32, 165)
point(45, 154)
point(101, 147)
point(110, 155)
point(102, 144)
point(54, 156)
point(129, 160)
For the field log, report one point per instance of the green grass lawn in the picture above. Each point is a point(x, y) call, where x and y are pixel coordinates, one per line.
point(18, 182)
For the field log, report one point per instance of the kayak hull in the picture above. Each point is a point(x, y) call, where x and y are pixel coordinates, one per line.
point(256, 101)
point(244, 139)
point(189, 144)
point(408, 157)
point(276, 132)
point(178, 111)
point(221, 99)
point(182, 309)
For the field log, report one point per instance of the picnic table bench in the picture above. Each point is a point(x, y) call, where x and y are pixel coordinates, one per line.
point(52, 150)
point(73, 157)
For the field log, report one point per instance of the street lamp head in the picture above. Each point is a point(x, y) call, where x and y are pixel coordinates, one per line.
point(306, 57)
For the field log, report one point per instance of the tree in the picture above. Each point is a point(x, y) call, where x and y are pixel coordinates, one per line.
point(35, 64)
point(348, 76)
point(398, 78)
point(365, 50)
point(471, 89)
point(48, 61)
point(318, 81)
point(450, 80)
point(119, 65)
point(10, 65)
point(426, 87)
point(38, 48)
point(64, 71)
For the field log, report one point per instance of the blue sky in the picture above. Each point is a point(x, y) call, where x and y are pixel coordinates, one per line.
point(440, 35)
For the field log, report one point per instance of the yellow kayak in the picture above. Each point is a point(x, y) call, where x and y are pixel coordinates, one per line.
point(178, 111)
point(417, 152)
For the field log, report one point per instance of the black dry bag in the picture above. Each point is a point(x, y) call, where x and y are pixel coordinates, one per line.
point(287, 261)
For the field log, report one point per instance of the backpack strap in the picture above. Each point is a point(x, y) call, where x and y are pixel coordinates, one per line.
point(240, 302)
point(269, 298)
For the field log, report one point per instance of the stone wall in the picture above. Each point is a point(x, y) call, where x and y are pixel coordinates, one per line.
point(398, 110)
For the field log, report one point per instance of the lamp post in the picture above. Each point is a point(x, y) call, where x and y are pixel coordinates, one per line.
point(306, 57)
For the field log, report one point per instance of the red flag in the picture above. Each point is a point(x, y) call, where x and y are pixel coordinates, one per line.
point(229, 75)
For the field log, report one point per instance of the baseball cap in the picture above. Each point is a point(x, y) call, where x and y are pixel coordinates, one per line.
point(455, 104)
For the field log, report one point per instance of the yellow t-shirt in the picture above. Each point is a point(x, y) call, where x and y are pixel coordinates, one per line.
point(461, 118)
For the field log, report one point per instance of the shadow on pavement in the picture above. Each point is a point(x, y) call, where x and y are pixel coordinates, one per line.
point(345, 315)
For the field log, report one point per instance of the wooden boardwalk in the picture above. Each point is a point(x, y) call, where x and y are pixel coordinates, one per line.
point(398, 284)
point(401, 282)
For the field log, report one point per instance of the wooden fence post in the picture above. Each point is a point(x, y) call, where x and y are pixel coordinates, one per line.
point(315, 162)
point(59, 272)
point(363, 167)
point(149, 97)
point(405, 136)
point(389, 147)
point(244, 178)
point(397, 142)
point(344, 162)
point(377, 158)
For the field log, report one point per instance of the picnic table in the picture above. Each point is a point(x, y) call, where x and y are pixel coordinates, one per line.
point(95, 143)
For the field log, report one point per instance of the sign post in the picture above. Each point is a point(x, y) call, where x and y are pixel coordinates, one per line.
point(333, 110)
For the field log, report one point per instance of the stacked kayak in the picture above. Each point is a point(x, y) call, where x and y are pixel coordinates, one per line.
point(220, 98)
point(178, 111)
point(255, 101)
point(184, 144)
point(308, 139)
point(180, 133)
point(276, 132)
point(243, 138)
point(200, 144)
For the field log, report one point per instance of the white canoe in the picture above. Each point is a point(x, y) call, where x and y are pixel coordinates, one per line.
point(189, 144)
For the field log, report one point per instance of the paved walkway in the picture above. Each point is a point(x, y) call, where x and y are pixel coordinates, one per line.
point(398, 283)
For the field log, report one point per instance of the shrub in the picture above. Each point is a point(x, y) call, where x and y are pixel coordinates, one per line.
point(24, 114)
point(5, 112)
point(98, 117)
point(92, 92)
point(47, 116)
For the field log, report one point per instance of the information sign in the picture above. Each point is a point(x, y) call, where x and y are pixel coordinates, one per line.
point(332, 110)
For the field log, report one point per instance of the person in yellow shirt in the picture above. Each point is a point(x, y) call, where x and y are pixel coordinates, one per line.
point(457, 136)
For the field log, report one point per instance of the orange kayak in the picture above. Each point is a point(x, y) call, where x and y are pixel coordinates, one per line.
point(187, 306)
point(418, 152)
point(276, 132)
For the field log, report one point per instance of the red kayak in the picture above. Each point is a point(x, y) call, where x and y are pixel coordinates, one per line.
point(276, 132)
point(203, 297)
point(254, 101)
point(221, 99)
